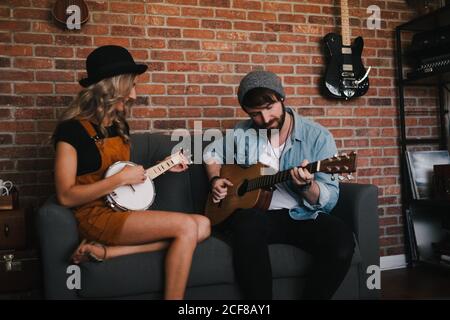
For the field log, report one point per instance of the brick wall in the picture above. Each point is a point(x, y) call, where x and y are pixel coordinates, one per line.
point(197, 50)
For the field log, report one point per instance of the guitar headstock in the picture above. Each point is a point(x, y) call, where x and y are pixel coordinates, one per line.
point(343, 163)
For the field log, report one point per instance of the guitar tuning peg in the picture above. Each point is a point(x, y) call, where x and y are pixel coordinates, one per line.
point(341, 178)
point(350, 177)
point(333, 177)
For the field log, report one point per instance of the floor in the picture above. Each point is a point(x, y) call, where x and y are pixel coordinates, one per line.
point(420, 282)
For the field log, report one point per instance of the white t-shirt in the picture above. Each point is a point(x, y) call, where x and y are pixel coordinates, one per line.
point(281, 198)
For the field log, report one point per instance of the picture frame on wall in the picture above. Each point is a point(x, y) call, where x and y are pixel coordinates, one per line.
point(420, 168)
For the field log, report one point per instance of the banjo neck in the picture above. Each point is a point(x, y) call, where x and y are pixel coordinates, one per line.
point(163, 166)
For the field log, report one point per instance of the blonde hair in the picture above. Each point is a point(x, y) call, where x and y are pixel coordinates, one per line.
point(97, 102)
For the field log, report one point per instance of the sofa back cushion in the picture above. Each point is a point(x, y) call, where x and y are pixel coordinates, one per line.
point(185, 191)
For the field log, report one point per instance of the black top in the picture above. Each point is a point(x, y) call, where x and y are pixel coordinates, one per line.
point(88, 156)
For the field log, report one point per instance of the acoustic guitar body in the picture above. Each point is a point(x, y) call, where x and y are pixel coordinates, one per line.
point(236, 199)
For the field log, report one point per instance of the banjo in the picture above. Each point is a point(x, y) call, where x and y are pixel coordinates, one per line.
point(139, 197)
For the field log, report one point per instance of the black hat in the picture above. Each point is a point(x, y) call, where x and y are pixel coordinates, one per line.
point(109, 61)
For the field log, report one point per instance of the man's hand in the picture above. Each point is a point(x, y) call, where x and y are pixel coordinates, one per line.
point(219, 189)
point(301, 176)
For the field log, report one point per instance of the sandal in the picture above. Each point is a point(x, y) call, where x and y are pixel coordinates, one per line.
point(80, 257)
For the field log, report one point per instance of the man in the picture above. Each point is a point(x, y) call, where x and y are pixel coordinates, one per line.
point(299, 210)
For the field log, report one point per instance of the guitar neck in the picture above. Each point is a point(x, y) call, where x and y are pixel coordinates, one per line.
point(345, 25)
point(268, 181)
point(160, 168)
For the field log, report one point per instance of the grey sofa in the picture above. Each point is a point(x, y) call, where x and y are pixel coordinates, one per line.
point(140, 276)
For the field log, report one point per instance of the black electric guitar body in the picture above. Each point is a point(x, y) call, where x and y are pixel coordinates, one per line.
point(345, 75)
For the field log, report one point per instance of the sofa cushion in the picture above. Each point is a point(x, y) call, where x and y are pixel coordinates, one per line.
point(212, 265)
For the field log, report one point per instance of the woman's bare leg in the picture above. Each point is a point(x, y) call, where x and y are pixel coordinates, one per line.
point(203, 227)
point(142, 227)
point(107, 252)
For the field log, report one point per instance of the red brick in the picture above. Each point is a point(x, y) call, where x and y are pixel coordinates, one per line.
point(16, 50)
point(60, 76)
point(103, 41)
point(184, 44)
point(124, 7)
point(198, 34)
point(167, 55)
point(149, 112)
point(33, 38)
point(247, 5)
point(169, 124)
point(110, 18)
point(252, 26)
point(185, 112)
point(127, 31)
point(216, 24)
point(168, 77)
point(202, 101)
point(168, 101)
point(181, 22)
point(30, 63)
point(16, 75)
point(215, 3)
point(54, 52)
point(156, 9)
point(33, 88)
point(164, 32)
point(182, 66)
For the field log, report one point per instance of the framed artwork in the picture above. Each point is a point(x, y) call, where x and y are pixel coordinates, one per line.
point(420, 167)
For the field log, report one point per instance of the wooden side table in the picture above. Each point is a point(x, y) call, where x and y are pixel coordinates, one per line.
point(12, 229)
point(20, 269)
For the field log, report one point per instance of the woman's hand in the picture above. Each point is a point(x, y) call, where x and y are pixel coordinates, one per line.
point(182, 166)
point(132, 175)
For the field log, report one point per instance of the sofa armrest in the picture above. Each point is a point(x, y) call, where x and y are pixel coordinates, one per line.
point(358, 207)
point(58, 237)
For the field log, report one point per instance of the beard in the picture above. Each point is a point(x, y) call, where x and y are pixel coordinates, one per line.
point(275, 124)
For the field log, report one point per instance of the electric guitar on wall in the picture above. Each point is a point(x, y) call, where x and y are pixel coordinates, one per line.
point(252, 190)
point(345, 75)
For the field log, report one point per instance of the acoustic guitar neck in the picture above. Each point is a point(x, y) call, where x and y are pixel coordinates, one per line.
point(338, 164)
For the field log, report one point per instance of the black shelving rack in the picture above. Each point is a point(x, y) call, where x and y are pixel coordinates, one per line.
point(432, 21)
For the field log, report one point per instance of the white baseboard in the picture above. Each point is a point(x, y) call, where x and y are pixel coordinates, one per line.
point(393, 262)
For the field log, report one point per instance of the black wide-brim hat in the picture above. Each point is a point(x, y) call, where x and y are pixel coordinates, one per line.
point(109, 61)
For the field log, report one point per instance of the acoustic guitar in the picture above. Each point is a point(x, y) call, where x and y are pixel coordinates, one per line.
point(60, 13)
point(345, 75)
point(252, 190)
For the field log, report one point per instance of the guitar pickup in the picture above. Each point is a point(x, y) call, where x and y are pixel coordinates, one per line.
point(349, 83)
point(348, 74)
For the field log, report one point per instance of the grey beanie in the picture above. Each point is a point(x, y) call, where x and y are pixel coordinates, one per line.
point(259, 79)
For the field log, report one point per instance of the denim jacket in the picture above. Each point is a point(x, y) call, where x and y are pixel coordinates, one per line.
point(308, 140)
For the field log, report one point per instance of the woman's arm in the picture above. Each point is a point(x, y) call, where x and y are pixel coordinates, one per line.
point(69, 194)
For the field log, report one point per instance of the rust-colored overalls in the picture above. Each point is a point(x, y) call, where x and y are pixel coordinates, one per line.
point(97, 221)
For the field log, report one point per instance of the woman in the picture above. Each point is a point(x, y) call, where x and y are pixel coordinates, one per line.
point(92, 135)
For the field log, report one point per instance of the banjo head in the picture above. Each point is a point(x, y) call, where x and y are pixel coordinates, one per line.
point(136, 197)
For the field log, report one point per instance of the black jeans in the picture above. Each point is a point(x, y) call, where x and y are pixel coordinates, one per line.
point(326, 238)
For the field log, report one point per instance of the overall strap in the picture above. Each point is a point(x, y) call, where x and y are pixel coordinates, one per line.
point(90, 130)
